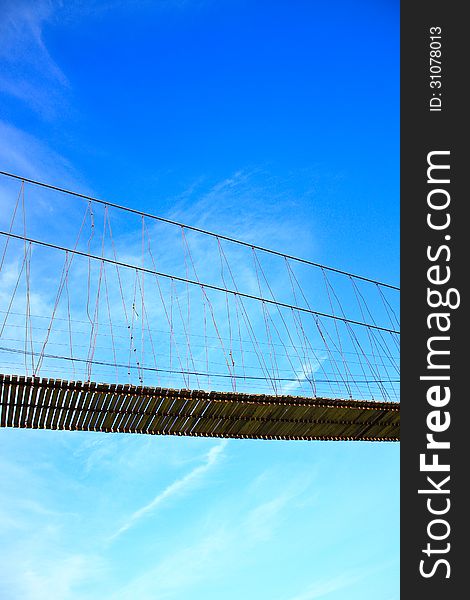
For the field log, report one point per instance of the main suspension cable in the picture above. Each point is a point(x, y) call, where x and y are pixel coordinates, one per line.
point(201, 284)
point(192, 228)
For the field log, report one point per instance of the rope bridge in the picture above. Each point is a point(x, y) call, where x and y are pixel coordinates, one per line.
point(161, 310)
point(56, 404)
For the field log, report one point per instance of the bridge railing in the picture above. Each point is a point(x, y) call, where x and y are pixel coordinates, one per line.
point(92, 290)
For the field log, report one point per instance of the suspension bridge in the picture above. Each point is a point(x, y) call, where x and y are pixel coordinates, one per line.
point(117, 320)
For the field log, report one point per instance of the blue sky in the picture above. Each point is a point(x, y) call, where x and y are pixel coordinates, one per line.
point(274, 122)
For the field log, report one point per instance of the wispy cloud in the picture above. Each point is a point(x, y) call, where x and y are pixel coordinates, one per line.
point(177, 487)
point(24, 154)
point(301, 377)
point(261, 520)
point(168, 579)
point(322, 588)
point(232, 207)
point(29, 72)
point(325, 586)
point(41, 577)
point(53, 537)
point(38, 556)
point(225, 545)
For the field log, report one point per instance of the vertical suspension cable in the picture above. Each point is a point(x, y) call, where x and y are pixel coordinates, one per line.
point(132, 348)
point(183, 371)
point(318, 326)
point(28, 328)
point(142, 304)
point(374, 358)
point(240, 339)
point(229, 367)
point(376, 367)
point(189, 353)
point(268, 332)
point(65, 269)
point(92, 234)
point(228, 312)
point(170, 320)
point(188, 306)
point(297, 318)
point(336, 371)
point(123, 302)
point(95, 322)
point(168, 312)
point(60, 288)
point(110, 321)
point(249, 327)
point(390, 312)
point(69, 319)
point(346, 371)
point(383, 342)
point(4, 253)
point(145, 320)
point(354, 339)
point(375, 350)
point(12, 221)
point(208, 379)
point(28, 311)
point(281, 316)
point(12, 298)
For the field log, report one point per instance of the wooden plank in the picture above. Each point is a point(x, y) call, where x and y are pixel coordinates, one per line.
point(102, 407)
point(33, 400)
point(146, 417)
point(5, 381)
point(90, 407)
point(135, 409)
point(173, 421)
point(123, 406)
point(19, 401)
point(12, 400)
point(156, 425)
point(107, 423)
point(80, 400)
point(181, 408)
point(88, 396)
point(43, 403)
point(46, 402)
point(35, 421)
point(53, 405)
point(194, 407)
point(65, 398)
point(198, 414)
point(26, 403)
point(74, 399)
point(122, 402)
point(61, 408)
point(91, 413)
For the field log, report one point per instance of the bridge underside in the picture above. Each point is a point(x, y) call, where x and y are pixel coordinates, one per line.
point(36, 403)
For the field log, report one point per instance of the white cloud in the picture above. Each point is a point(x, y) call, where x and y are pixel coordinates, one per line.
point(38, 556)
point(41, 577)
point(322, 588)
point(301, 376)
point(226, 542)
point(181, 570)
point(23, 154)
point(177, 487)
point(29, 72)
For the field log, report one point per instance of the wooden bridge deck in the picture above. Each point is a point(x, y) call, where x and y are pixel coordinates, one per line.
point(36, 403)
